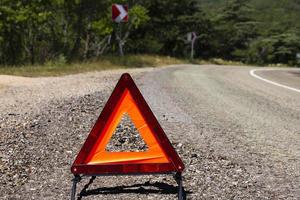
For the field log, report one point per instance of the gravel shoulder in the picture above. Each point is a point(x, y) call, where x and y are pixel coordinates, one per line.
point(238, 137)
point(22, 92)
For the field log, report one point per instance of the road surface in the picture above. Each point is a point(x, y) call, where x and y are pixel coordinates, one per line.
point(254, 123)
point(238, 135)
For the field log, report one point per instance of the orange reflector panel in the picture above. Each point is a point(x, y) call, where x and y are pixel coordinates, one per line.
point(159, 158)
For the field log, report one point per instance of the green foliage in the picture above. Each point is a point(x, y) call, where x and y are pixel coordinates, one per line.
point(275, 49)
point(56, 32)
point(234, 29)
point(138, 16)
point(170, 21)
point(255, 31)
point(58, 68)
point(60, 61)
point(102, 27)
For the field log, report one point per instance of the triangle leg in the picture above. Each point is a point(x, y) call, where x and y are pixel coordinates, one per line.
point(75, 180)
point(181, 192)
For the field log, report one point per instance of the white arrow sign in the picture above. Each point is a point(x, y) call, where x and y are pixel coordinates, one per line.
point(119, 13)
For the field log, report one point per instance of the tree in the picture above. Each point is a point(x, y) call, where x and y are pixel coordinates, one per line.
point(235, 29)
point(281, 48)
point(170, 21)
point(12, 18)
point(53, 31)
point(83, 14)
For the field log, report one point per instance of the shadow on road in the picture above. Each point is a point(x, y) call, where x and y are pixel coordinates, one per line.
point(156, 188)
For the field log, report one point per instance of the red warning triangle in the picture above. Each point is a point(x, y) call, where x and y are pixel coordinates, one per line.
point(93, 159)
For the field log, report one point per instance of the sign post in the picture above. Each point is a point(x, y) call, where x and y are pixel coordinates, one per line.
point(191, 38)
point(298, 56)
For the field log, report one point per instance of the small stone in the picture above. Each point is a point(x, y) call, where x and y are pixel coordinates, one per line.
point(194, 155)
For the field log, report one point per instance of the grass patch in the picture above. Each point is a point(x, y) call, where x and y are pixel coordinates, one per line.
point(105, 63)
point(218, 61)
point(60, 67)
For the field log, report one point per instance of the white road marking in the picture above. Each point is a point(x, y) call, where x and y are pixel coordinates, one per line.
point(252, 73)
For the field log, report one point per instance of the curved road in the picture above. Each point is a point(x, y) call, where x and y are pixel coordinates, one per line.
point(225, 111)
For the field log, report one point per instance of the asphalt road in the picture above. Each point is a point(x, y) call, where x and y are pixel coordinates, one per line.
point(238, 135)
point(233, 114)
point(287, 77)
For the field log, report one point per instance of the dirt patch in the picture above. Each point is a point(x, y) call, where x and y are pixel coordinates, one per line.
point(2, 87)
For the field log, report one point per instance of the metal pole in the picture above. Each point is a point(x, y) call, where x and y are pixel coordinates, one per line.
point(192, 50)
point(121, 52)
point(75, 180)
point(178, 178)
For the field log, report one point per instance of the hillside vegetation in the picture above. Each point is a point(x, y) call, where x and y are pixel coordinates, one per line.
point(256, 31)
point(251, 31)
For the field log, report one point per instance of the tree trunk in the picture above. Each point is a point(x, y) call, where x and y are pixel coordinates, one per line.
point(102, 45)
point(79, 30)
point(122, 40)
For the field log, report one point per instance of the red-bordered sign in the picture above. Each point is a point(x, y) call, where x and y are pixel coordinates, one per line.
point(119, 13)
point(161, 157)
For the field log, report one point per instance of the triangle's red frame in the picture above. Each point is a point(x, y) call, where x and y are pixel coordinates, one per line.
point(80, 167)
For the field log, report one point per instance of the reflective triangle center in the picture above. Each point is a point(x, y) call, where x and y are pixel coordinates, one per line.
point(126, 138)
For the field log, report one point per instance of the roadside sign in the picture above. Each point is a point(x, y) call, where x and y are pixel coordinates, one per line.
point(192, 36)
point(119, 13)
point(93, 158)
